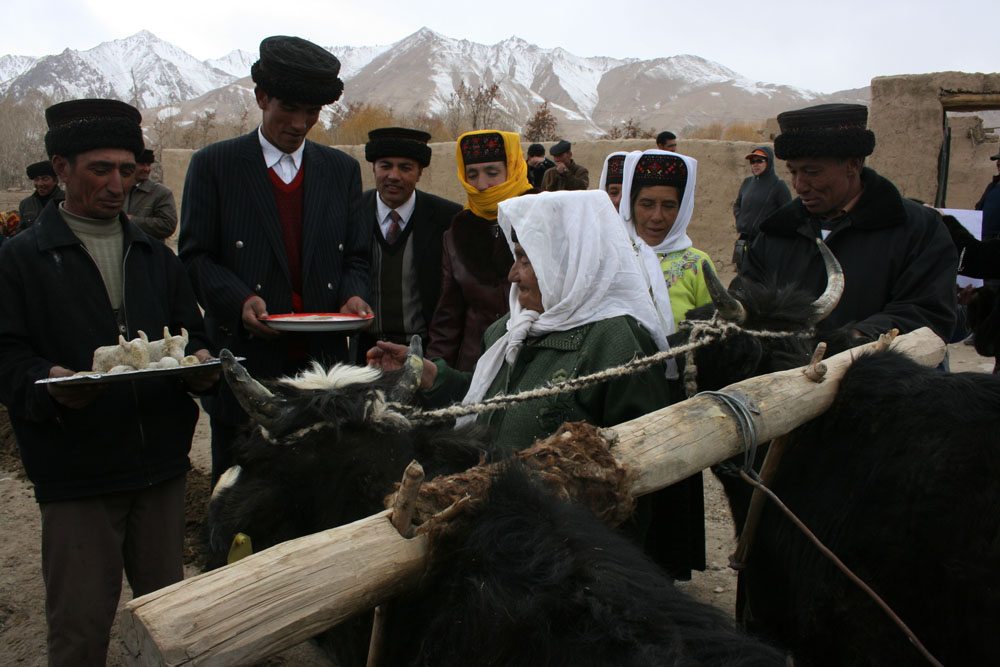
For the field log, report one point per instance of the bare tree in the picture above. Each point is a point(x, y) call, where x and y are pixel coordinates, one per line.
point(22, 135)
point(630, 129)
point(542, 126)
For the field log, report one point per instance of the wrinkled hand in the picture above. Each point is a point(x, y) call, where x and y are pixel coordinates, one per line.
point(391, 357)
point(356, 306)
point(561, 167)
point(202, 380)
point(76, 397)
point(254, 308)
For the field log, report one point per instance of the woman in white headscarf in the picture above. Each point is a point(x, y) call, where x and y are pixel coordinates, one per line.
point(578, 304)
point(611, 176)
point(657, 204)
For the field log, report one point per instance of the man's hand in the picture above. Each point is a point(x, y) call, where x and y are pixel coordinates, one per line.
point(202, 380)
point(391, 357)
point(356, 306)
point(72, 397)
point(561, 167)
point(254, 308)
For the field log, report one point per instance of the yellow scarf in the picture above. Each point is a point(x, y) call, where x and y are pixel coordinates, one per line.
point(484, 204)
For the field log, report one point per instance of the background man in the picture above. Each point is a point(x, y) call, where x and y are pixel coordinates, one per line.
point(151, 205)
point(271, 223)
point(899, 262)
point(667, 141)
point(107, 461)
point(761, 194)
point(46, 183)
point(538, 164)
point(406, 226)
point(567, 174)
point(989, 204)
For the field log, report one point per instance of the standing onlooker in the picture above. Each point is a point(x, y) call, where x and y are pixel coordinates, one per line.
point(538, 164)
point(407, 226)
point(107, 461)
point(667, 141)
point(476, 259)
point(898, 260)
point(567, 174)
point(271, 223)
point(989, 204)
point(151, 205)
point(47, 189)
point(761, 194)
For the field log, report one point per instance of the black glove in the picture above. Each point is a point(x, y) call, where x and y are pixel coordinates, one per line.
point(960, 236)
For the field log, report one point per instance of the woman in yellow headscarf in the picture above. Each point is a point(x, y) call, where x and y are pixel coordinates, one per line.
point(476, 258)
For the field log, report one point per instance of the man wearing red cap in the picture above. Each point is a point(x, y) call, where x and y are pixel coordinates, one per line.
point(898, 260)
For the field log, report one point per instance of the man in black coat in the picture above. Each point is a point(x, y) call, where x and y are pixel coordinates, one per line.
point(107, 461)
point(46, 183)
point(406, 229)
point(898, 260)
point(271, 224)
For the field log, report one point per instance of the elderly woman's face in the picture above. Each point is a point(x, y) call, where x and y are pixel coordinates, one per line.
point(485, 174)
point(523, 276)
point(614, 191)
point(655, 211)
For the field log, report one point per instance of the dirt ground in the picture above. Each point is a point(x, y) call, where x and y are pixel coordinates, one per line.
point(22, 601)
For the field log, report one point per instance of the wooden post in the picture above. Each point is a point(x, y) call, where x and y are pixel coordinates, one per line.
point(279, 597)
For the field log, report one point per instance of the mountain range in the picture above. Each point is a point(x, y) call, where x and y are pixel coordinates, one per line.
point(418, 75)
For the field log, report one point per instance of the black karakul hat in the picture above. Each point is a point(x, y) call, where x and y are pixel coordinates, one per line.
point(486, 147)
point(146, 157)
point(398, 142)
point(560, 147)
point(616, 169)
point(43, 168)
point(653, 169)
point(295, 70)
point(826, 130)
point(78, 126)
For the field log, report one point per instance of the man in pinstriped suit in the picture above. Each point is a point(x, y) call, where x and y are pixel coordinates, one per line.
point(271, 223)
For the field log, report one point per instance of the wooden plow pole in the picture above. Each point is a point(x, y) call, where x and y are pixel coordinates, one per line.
point(277, 598)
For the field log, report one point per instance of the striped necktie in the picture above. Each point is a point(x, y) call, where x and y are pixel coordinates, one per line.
point(395, 229)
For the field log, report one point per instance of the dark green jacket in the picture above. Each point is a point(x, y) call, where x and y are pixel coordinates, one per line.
point(560, 356)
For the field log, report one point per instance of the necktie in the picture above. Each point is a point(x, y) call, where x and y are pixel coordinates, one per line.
point(395, 230)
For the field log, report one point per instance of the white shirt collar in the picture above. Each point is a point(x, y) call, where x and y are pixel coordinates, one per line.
point(405, 211)
point(273, 155)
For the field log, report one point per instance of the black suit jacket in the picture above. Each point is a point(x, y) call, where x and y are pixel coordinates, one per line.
point(431, 217)
point(232, 245)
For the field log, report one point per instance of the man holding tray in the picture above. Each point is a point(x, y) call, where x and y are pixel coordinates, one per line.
point(107, 461)
point(271, 224)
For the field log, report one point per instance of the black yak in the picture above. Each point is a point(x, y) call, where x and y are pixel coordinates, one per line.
point(898, 478)
point(523, 579)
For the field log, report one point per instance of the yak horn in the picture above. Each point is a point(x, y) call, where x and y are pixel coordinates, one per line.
point(412, 372)
point(829, 299)
point(256, 399)
point(728, 307)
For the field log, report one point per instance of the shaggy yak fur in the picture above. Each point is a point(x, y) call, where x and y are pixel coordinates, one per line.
point(898, 478)
point(525, 579)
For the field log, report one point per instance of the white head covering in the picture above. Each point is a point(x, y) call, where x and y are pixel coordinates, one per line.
point(604, 172)
point(676, 238)
point(586, 268)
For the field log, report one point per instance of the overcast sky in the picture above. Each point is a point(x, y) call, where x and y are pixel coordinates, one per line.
point(821, 46)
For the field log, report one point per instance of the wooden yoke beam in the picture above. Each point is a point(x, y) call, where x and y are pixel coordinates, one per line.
point(277, 598)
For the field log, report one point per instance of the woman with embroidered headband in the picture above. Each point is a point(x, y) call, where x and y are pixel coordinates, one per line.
point(611, 176)
point(657, 203)
point(475, 258)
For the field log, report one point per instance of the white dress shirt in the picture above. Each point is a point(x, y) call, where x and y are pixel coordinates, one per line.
point(404, 211)
point(286, 165)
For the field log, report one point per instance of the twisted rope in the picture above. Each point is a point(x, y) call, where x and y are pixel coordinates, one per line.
point(706, 331)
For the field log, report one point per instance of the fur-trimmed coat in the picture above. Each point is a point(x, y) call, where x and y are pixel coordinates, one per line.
point(899, 262)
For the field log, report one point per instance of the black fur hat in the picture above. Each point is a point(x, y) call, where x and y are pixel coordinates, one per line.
point(398, 142)
point(146, 157)
point(78, 126)
point(296, 70)
point(826, 130)
point(43, 168)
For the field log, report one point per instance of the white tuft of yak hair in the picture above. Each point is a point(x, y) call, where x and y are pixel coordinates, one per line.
point(339, 376)
point(226, 480)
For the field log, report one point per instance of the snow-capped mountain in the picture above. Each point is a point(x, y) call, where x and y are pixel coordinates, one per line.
point(419, 75)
